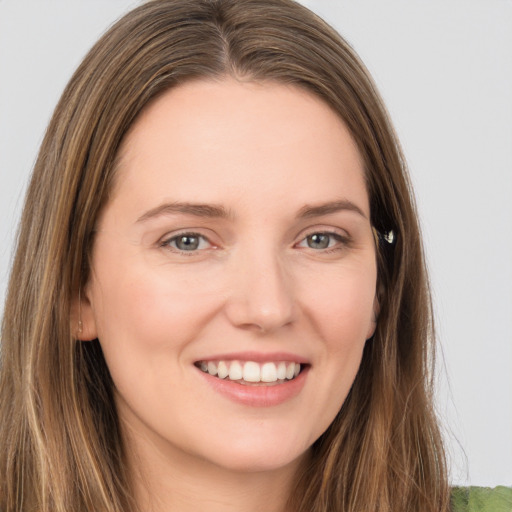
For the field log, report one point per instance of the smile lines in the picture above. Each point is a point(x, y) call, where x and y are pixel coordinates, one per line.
point(250, 371)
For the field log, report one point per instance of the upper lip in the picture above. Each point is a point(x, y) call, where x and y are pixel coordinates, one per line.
point(257, 357)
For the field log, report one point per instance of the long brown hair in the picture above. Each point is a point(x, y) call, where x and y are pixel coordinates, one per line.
point(60, 446)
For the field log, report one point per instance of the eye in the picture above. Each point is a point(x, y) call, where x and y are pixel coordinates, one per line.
point(322, 240)
point(187, 242)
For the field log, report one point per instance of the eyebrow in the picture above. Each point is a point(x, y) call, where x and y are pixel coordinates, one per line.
point(219, 212)
point(309, 211)
point(195, 209)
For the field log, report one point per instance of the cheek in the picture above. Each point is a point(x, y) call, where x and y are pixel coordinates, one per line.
point(146, 321)
point(146, 311)
point(341, 305)
point(340, 309)
point(139, 312)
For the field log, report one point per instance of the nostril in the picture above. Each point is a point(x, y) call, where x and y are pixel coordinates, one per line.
point(261, 294)
point(250, 317)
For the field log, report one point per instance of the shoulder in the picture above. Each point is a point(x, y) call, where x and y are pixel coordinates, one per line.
point(481, 499)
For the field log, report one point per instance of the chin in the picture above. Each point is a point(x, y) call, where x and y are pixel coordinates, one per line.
point(251, 456)
point(257, 463)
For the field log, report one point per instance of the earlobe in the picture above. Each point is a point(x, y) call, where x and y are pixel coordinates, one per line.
point(82, 322)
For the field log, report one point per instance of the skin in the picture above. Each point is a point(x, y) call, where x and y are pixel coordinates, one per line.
point(264, 153)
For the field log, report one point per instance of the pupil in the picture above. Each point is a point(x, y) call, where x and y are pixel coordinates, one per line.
point(318, 241)
point(187, 243)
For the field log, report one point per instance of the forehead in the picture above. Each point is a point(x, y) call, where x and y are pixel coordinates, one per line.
point(205, 139)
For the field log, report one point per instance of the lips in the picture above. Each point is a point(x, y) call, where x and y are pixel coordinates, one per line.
point(255, 379)
point(251, 372)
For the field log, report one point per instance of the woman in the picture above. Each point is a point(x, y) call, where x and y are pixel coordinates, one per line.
point(227, 307)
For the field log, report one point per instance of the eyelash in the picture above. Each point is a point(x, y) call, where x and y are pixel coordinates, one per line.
point(340, 242)
point(187, 234)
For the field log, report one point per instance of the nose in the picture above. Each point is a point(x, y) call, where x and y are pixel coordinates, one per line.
point(261, 295)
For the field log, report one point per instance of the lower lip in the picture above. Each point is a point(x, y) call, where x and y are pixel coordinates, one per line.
point(260, 395)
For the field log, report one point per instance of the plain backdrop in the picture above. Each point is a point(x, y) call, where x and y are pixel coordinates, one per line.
point(444, 68)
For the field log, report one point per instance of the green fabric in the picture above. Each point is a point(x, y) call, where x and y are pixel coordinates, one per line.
point(481, 499)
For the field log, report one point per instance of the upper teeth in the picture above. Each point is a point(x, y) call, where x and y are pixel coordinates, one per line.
point(250, 371)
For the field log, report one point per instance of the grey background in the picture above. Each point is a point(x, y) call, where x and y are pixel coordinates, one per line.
point(444, 68)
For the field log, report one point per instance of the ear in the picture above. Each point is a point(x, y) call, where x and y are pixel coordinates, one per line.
point(373, 320)
point(82, 321)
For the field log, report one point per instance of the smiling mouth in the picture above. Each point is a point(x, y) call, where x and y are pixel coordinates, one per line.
point(252, 373)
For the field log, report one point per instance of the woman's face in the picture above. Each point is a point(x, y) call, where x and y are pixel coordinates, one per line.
point(236, 249)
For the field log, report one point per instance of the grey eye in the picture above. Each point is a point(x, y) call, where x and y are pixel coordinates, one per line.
point(187, 242)
point(319, 240)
